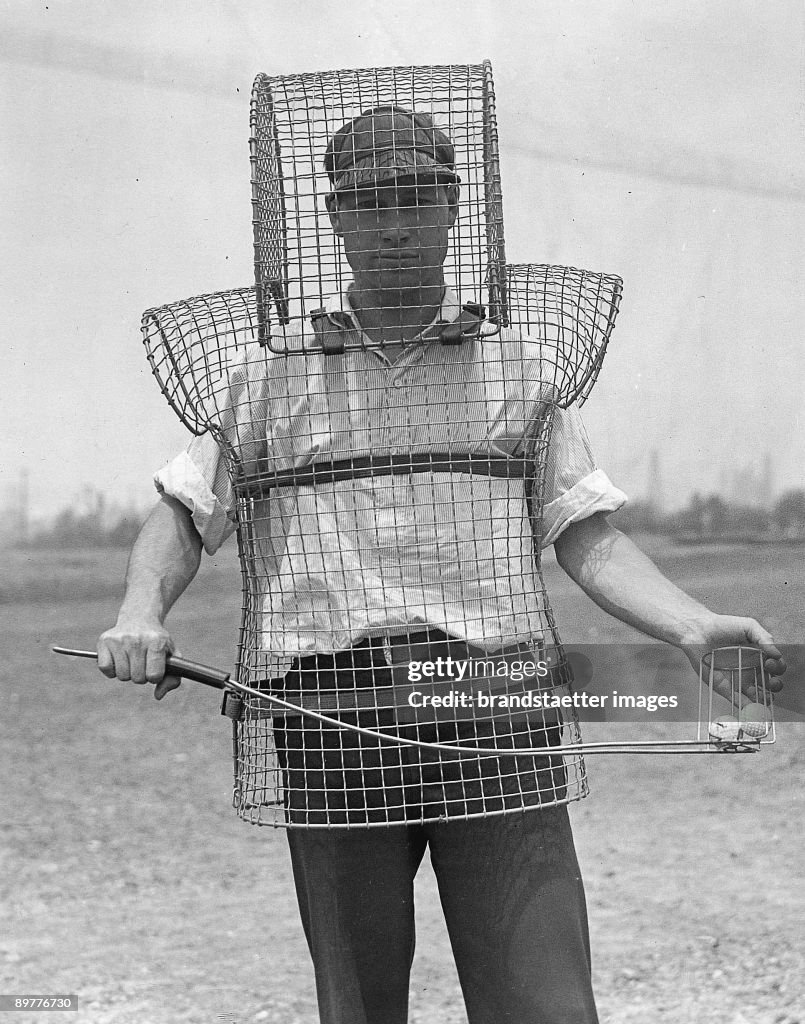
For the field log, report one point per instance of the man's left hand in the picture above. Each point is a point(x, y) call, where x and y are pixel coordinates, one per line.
point(734, 631)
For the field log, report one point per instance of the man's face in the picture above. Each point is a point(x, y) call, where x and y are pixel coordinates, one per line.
point(395, 236)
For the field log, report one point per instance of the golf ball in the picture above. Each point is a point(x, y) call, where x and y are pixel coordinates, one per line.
point(726, 729)
point(755, 720)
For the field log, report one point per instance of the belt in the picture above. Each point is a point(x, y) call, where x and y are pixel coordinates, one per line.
point(258, 485)
point(409, 670)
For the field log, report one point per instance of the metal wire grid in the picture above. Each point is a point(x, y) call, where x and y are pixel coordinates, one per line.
point(571, 313)
point(191, 346)
point(299, 262)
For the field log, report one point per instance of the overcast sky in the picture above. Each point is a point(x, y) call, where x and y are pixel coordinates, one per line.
point(663, 141)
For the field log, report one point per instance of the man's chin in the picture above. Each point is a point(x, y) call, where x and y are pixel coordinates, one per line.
point(399, 277)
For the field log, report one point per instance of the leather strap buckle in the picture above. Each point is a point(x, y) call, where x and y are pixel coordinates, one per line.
point(329, 335)
point(466, 326)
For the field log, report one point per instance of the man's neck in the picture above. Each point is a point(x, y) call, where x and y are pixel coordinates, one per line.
point(392, 317)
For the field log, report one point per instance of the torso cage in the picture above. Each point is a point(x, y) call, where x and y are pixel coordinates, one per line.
point(391, 512)
point(368, 508)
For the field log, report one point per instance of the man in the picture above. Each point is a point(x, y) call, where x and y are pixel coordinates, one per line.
point(384, 562)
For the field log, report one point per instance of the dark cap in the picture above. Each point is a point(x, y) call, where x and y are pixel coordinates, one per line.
point(386, 143)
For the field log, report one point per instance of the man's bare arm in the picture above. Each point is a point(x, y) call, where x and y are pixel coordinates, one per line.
point(623, 581)
point(164, 560)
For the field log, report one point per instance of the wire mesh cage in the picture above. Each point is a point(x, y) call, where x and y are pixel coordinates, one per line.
point(299, 261)
point(398, 660)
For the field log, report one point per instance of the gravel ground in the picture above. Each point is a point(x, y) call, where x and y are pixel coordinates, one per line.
point(129, 881)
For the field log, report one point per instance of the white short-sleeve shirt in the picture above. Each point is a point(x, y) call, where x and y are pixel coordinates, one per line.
point(341, 561)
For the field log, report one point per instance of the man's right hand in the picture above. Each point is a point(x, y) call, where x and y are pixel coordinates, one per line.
point(138, 652)
point(163, 561)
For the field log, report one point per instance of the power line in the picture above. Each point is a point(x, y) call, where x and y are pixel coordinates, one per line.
point(720, 177)
point(31, 48)
point(688, 168)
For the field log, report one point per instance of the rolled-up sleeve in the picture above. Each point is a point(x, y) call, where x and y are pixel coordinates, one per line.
point(199, 476)
point(198, 479)
point(575, 488)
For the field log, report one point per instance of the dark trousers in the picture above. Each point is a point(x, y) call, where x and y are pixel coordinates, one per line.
point(336, 777)
point(509, 883)
point(512, 898)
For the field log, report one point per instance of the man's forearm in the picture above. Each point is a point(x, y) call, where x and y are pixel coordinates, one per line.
point(623, 581)
point(163, 561)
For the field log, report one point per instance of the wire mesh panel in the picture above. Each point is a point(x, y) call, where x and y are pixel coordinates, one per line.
point(299, 260)
point(191, 346)
point(571, 314)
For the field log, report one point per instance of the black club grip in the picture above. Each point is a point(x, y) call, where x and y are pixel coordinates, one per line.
point(198, 673)
point(174, 665)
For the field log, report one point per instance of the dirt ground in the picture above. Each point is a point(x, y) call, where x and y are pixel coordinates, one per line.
point(128, 880)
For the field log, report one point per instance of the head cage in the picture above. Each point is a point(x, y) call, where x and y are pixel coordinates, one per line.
point(298, 260)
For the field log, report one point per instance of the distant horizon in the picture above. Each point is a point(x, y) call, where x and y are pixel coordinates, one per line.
point(140, 501)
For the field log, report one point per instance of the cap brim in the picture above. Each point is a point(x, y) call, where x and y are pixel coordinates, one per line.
point(392, 165)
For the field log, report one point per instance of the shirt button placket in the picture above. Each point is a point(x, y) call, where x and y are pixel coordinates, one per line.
point(386, 405)
point(397, 406)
